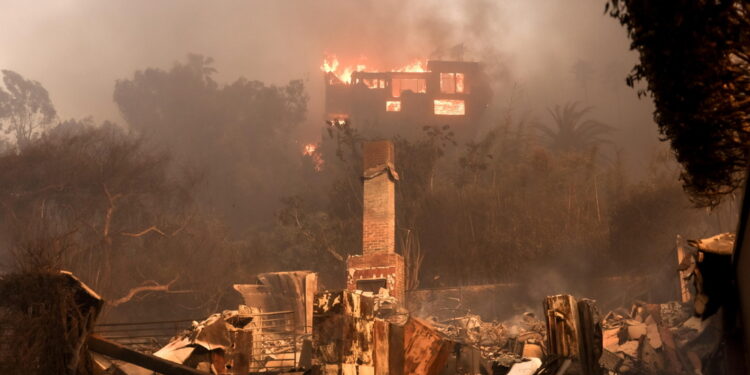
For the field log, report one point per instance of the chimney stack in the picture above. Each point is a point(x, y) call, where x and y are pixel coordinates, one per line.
point(379, 266)
point(379, 218)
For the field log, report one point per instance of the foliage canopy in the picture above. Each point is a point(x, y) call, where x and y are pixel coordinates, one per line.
point(695, 59)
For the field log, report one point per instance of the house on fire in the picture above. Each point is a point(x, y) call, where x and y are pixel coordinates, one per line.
point(454, 93)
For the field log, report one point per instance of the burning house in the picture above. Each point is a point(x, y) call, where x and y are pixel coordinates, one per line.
point(403, 101)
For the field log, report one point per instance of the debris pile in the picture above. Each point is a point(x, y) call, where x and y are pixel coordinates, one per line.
point(656, 338)
point(504, 343)
point(239, 340)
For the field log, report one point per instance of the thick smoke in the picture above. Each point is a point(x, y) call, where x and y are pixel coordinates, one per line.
point(539, 54)
point(78, 49)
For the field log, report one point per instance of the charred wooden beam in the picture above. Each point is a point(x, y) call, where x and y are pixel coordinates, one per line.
point(426, 351)
point(562, 325)
point(574, 332)
point(112, 349)
point(682, 258)
point(590, 336)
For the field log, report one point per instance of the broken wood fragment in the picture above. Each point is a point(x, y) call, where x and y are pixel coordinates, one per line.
point(562, 326)
point(112, 349)
point(590, 337)
point(684, 274)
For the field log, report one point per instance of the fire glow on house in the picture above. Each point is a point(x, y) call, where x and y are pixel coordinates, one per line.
point(431, 93)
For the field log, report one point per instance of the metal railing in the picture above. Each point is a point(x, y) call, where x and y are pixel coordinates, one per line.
point(276, 342)
point(276, 338)
point(143, 334)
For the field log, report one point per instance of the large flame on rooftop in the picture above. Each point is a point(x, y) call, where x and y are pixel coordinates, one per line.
point(331, 64)
point(418, 66)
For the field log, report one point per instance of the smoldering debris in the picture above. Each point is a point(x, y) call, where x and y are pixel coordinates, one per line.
point(356, 332)
point(656, 338)
point(241, 341)
point(504, 343)
point(287, 325)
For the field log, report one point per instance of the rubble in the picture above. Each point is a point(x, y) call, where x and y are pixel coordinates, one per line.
point(270, 335)
point(283, 291)
point(237, 342)
point(357, 332)
point(654, 338)
point(286, 325)
point(138, 363)
point(501, 344)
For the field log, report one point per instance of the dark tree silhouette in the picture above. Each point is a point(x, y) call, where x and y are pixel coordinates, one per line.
point(25, 107)
point(695, 59)
point(241, 134)
point(572, 131)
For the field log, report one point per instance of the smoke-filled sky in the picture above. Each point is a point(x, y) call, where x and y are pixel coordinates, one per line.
point(541, 52)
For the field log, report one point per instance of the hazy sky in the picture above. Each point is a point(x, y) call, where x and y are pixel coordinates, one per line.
point(77, 49)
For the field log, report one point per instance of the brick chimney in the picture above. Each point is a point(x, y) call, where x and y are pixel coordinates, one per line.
point(379, 266)
point(379, 219)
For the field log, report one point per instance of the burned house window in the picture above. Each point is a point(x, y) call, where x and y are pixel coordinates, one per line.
point(374, 83)
point(450, 107)
point(371, 285)
point(452, 83)
point(460, 87)
point(393, 106)
point(399, 85)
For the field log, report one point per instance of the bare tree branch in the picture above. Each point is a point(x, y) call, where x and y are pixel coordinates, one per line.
point(154, 287)
point(152, 228)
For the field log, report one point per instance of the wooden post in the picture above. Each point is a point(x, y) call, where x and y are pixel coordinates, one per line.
point(574, 334)
point(590, 335)
point(562, 325)
point(684, 286)
point(242, 352)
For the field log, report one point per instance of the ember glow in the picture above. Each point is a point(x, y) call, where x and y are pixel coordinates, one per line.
point(450, 107)
point(310, 150)
point(331, 64)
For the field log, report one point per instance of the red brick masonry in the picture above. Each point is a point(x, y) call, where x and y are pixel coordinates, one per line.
point(379, 260)
point(379, 216)
point(387, 266)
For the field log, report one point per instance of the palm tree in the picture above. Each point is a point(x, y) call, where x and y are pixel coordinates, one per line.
point(572, 132)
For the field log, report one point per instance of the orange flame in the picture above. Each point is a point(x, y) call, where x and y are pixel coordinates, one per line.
point(418, 66)
point(449, 107)
point(344, 73)
point(310, 150)
point(331, 65)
